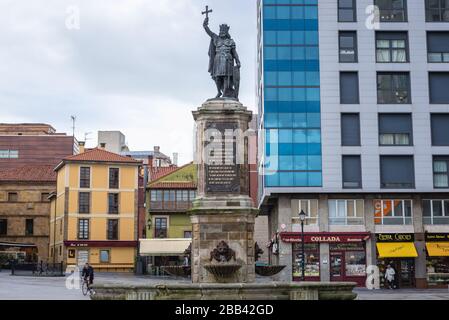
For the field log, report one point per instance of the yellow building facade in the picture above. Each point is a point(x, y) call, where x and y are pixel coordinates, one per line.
point(94, 211)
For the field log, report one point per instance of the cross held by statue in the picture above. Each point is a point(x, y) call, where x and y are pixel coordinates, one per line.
point(207, 12)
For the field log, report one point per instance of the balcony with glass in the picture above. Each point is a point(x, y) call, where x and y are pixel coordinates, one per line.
point(436, 212)
point(346, 212)
point(310, 208)
point(393, 212)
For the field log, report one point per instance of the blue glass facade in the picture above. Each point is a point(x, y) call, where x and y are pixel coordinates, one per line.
point(291, 93)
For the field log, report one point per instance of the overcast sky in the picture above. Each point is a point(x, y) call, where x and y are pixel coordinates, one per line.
point(138, 66)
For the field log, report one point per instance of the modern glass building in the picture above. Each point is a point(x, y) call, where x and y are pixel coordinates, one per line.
point(290, 87)
point(354, 131)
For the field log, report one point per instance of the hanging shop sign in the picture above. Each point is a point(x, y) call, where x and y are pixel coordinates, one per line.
point(324, 237)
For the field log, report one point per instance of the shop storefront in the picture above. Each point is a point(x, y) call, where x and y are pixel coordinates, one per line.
point(312, 261)
point(18, 252)
point(346, 260)
point(437, 259)
point(104, 256)
point(397, 250)
point(158, 253)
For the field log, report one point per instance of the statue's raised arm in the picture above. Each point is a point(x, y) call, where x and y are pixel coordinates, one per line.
point(206, 27)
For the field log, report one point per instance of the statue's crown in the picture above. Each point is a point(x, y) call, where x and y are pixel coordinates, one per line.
point(224, 27)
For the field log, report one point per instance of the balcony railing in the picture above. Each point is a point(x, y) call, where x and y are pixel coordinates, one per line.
point(436, 220)
point(170, 205)
point(346, 221)
point(387, 220)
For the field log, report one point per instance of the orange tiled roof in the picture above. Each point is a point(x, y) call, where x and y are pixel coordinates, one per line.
point(29, 173)
point(100, 155)
point(174, 185)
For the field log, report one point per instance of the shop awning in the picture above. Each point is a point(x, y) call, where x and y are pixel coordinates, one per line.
point(397, 250)
point(438, 249)
point(17, 245)
point(164, 247)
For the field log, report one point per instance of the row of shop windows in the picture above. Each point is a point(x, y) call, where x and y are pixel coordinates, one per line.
point(82, 256)
point(347, 262)
point(386, 212)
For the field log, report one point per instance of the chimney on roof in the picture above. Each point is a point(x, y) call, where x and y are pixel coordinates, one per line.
point(157, 148)
point(82, 145)
point(175, 159)
point(103, 145)
point(150, 161)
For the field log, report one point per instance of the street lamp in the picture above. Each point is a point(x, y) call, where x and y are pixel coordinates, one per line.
point(302, 218)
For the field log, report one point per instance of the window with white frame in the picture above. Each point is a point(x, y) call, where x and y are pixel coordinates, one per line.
point(83, 229)
point(436, 211)
point(310, 208)
point(9, 154)
point(441, 171)
point(156, 195)
point(393, 212)
point(346, 212)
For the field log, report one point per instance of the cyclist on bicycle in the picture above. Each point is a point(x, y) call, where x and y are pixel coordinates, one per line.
point(88, 274)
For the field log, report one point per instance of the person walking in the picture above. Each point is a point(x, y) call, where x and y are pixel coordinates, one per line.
point(390, 276)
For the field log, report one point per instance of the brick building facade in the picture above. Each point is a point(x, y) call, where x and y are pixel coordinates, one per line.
point(28, 154)
point(24, 209)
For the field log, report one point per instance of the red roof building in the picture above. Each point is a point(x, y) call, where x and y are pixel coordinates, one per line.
point(98, 155)
point(29, 174)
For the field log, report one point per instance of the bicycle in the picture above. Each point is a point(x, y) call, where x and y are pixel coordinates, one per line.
point(86, 289)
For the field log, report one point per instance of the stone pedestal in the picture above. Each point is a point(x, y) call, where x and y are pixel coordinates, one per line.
point(223, 211)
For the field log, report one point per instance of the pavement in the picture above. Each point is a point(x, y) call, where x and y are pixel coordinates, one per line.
point(402, 294)
point(36, 288)
point(67, 288)
point(64, 288)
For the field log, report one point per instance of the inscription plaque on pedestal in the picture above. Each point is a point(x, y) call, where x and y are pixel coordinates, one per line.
point(221, 170)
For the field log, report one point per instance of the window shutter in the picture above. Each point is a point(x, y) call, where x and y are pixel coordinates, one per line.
point(349, 88)
point(350, 129)
point(438, 85)
point(352, 172)
point(438, 41)
point(440, 129)
point(397, 172)
point(395, 123)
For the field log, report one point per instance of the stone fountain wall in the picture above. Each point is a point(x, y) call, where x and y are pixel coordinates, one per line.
point(237, 230)
point(223, 210)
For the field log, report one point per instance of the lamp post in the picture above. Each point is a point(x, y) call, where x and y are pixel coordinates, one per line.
point(302, 218)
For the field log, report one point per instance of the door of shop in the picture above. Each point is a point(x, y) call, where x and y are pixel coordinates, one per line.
point(348, 262)
point(83, 258)
point(337, 266)
point(406, 272)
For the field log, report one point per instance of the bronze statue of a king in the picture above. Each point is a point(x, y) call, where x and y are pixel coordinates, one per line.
point(224, 62)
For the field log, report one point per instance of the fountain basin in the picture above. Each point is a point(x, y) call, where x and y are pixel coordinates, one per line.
point(268, 271)
point(222, 270)
point(227, 291)
point(178, 271)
